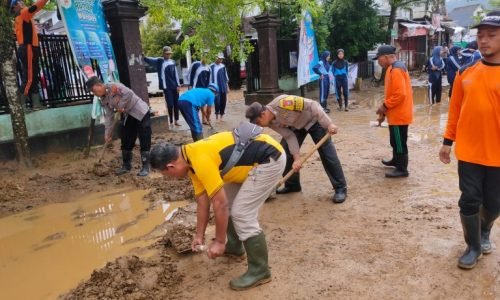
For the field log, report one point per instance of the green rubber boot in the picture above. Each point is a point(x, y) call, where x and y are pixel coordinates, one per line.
point(258, 268)
point(234, 247)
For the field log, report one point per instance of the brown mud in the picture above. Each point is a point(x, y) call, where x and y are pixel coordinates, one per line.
point(391, 239)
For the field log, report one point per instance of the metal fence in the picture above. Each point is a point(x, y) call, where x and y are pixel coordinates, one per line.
point(365, 69)
point(61, 83)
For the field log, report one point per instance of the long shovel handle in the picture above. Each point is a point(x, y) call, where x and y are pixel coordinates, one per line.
point(115, 120)
point(304, 159)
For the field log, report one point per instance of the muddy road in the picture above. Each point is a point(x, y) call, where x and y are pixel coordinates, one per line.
point(391, 239)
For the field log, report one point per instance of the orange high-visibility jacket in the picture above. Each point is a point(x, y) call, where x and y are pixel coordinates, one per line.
point(474, 115)
point(398, 95)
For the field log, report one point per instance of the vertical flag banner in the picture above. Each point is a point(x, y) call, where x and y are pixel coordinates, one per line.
point(308, 51)
point(88, 36)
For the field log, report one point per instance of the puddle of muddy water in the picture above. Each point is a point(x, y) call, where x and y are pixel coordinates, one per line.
point(47, 251)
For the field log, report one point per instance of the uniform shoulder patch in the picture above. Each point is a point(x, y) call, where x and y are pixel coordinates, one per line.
point(294, 103)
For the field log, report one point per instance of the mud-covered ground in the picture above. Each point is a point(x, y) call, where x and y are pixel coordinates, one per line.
point(391, 239)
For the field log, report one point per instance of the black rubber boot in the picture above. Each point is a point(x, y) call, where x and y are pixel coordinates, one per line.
point(401, 163)
point(234, 247)
point(258, 267)
point(472, 235)
point(145, 164)
point(487, 221)
point(388, 162)
point(340, 195)
point(127, 163)
point(35, 102)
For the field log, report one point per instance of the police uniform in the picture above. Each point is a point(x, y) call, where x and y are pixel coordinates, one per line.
point(136, 122)
point(295, 117)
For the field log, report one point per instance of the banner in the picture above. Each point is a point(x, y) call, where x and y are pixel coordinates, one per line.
point(88, 36)
point(89, 39)
point(308, 51)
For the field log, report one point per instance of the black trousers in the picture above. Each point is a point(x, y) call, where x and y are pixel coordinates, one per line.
point(436, 88)
point(342, 87)
point(398, 136)
point(327, 153)
point(29, 57)
point(131, 128)
point(220, 104)
point(480, 185)
point(172, 100)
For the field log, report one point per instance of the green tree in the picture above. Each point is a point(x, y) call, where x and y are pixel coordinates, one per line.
point(8, 76)
point(395, 4)
point(155, 36)
point(211, 25)
point(354, 26)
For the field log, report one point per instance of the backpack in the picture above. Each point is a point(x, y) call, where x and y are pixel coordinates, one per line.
point(243, 135)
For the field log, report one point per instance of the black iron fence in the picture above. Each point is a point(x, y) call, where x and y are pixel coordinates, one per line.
point(365, 69)
point(61, 83)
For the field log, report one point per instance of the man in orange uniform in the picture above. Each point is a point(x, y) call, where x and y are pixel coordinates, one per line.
point(398, 107)
point(474, 126)
point(28, 51)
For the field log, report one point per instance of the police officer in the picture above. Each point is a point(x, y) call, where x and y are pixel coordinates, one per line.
point(293, 118)
point(136, 120)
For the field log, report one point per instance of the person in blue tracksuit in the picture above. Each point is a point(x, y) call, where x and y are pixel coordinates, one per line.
point(470, 54)
point(190, 104)
point(323, 69)
point(168, 81)
point(452, 66)
point(220, 79)
point(192, 72)
point(202, 75)
point(341, 72)
point(435, 67)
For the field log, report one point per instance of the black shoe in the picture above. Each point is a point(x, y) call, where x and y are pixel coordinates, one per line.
point(389, 163)
point(327, 110)
point(397, 173)
point(286, 190)
point(340, 195)
point(346, 109)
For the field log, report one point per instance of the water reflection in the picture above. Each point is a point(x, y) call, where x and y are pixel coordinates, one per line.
point(54, 247)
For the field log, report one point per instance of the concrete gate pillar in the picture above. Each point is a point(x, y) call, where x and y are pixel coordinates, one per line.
point(266, 26)
point(123, 19)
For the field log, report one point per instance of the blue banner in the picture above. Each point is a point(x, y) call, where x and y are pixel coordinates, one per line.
point(89, 38)
point(308, 51)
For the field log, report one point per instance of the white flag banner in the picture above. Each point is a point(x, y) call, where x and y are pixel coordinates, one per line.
point(308, 51)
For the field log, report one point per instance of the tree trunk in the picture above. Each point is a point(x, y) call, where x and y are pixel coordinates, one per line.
point(392, 18)
point(19, 129)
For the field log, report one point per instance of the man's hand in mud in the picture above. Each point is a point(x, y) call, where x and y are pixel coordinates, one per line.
point(216, 249)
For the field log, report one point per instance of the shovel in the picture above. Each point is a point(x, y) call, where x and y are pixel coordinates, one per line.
point(304, 159)
point(98, 165)
point(198, 248)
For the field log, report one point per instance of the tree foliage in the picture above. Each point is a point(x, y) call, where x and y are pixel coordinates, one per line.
point(354, 26)
point(155, 36)
point(211, 25)
point(6, 35)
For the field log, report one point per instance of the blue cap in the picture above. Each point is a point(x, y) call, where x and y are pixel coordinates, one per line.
point(213, 87)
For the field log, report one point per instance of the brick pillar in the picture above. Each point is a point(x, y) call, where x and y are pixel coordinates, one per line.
point(123, 19)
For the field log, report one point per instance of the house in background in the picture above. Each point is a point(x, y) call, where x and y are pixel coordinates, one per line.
point(465, 16)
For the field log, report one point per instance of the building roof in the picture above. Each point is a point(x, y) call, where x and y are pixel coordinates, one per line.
point(463, 15)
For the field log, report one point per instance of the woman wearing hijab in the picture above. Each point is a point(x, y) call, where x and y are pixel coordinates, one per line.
point(323, 69)
point(435, 66)
point(452, 66)
point(340, 71)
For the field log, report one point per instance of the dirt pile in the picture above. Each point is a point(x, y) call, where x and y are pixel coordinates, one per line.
point(131, 278)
